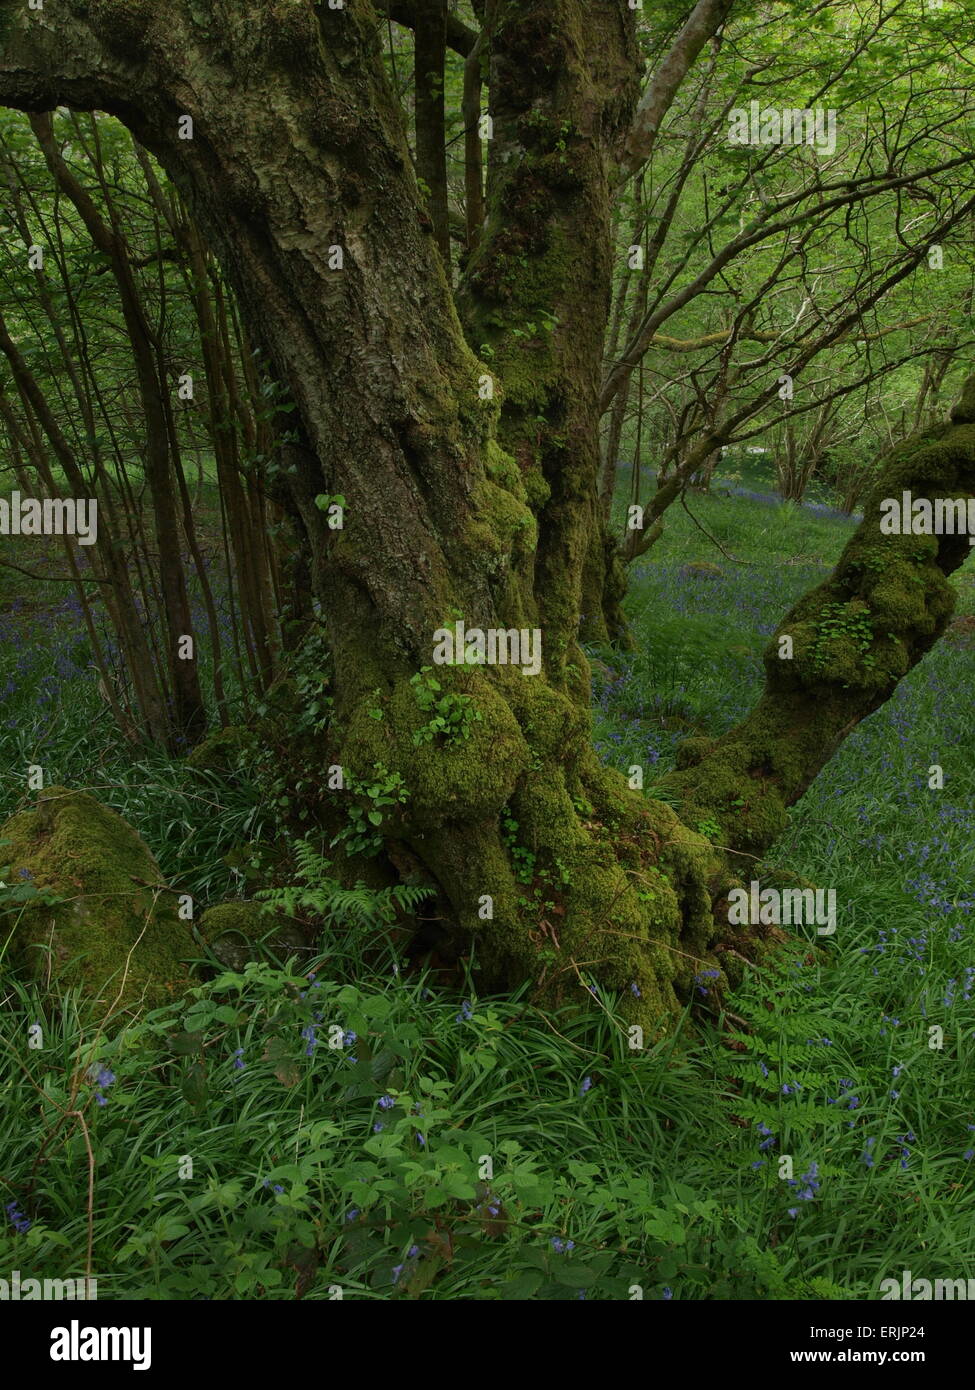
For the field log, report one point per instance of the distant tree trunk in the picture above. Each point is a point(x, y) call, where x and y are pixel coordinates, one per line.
point(430, 50)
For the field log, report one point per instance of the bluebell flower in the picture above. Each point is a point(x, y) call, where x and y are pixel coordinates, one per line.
point(586, 1083)
point(386, 1102)
point(19, 1221)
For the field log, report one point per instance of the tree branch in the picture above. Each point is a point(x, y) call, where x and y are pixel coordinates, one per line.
point(460, 38)
point(756, 335)
point(854, 638)
point(704, 21)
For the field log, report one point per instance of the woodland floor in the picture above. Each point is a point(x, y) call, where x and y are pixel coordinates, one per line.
point(660, 1169)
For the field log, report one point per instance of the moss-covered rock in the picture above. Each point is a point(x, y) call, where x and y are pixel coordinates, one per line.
point(221, 751)
point(236, 931)
point(115, 932)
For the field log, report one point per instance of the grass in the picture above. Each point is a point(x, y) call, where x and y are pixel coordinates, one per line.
point(825, 1143)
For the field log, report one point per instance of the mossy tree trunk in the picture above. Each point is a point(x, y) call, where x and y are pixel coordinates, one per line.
point(564, 83)
point(457, 504)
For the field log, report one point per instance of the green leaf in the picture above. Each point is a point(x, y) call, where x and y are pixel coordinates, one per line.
point(194, 1085)
point(573, 1275)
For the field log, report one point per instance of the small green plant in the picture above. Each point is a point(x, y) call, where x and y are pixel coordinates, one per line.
point(360, 835)
point(312, 678)
point(325, 500)
point(709, 828)
point(451, 714)
point(843, 621)
point(523, 859)
point(319, 894)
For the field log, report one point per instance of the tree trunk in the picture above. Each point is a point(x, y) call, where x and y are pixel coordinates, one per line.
point(454, 511)
point(429, 52)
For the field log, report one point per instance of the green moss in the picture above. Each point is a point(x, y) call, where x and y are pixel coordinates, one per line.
point(504, 532)
point(111, 922)
point(469, 780)
point(503, 470)
point(221, 751)
point(235, 930)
